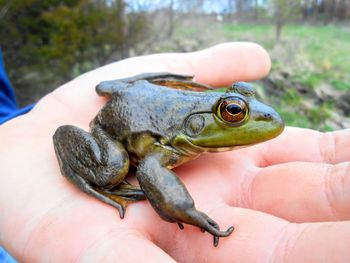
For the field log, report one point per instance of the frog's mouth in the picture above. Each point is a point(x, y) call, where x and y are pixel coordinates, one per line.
point(218, 149)
point(186, 146)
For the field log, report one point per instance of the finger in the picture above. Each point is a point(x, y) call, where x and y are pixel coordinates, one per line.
point(251, 241)
point(302, 192)
point(296, 191)
point(218, 65)
point(297, 144)
point(113, 247)
point(71, 233)
point(119, 248)
point(259, 237)
point(314, 242)
point(227, 63)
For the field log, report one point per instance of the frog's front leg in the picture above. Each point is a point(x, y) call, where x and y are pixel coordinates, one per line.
point(96, 164)
point(170, 198)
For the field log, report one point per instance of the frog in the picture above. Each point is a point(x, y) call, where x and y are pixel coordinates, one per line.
point(152, 123)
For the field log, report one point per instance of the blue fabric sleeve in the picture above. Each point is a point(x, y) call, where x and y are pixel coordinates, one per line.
point(5, 257)
point(8, 105)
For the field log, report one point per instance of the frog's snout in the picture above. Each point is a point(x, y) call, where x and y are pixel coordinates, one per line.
point(269, 116)
point(262, 112)
point(268, 120)
point(275, 118)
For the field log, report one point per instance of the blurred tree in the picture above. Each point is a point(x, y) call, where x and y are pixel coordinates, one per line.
point(171, 18)
point(284, 11)
point(47, 42)
point(256, 9)
point(326, 10)
point(336, 9)
point(239, 9)
point(166, 15)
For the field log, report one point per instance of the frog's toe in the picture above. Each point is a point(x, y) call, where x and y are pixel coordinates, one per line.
point(120, 206)
point(215, 225)
point(211, 221)
point(224, 234)
point(121, 212)
point(205, 223)
point(116, 201)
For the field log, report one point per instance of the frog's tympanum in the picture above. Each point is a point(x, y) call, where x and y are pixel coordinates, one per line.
point(155, 122)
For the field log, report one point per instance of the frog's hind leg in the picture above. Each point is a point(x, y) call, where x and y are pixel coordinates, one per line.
point(93, 162)
point(180, 84)
point(107, 88)
point(156, 75)
point(171, 80)
point(175, 81)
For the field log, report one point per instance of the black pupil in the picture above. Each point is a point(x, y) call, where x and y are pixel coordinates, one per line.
point(233, 108)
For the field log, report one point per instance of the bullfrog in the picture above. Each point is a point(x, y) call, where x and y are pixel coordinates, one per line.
point(155, 122)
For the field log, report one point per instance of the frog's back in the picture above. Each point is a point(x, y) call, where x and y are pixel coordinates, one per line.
point(147, 108)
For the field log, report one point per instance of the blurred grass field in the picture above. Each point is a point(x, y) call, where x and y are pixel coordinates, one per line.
point(326, 47)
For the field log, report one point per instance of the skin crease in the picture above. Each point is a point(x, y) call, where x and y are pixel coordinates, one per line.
point(288, 198)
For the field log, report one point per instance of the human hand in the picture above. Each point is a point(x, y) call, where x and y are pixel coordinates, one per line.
point(260, 190)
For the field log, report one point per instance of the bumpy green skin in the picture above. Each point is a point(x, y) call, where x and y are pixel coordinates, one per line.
point(152, 123)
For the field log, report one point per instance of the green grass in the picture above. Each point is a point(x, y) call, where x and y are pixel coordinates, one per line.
point(326, 48)
point(187, 31)
point(312, 56)
point(293, 118)
point(262, 34)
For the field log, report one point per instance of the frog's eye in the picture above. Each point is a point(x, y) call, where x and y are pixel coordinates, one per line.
point(232, 110)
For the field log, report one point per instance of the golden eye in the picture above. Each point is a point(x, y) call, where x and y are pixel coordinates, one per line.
point(233, 110)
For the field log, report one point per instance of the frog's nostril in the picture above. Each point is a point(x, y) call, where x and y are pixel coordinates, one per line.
point(268, 115)
point(265, 116)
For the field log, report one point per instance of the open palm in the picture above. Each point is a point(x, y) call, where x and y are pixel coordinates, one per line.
point(289, 198)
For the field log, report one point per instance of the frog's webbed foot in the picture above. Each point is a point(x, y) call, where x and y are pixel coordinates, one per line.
point(93, 162)
point(127, 191)
point(170, 198)
point(207, 224)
